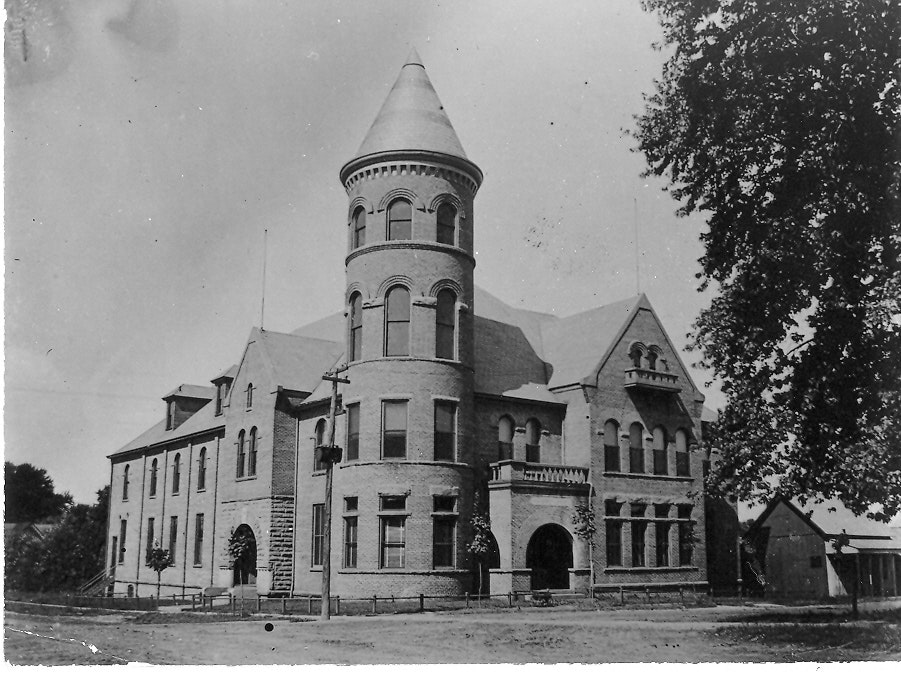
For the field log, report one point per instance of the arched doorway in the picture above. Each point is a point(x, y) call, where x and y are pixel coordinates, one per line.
point(550, 556)
point(244, 565)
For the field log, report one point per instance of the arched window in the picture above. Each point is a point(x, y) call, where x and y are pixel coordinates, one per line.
point(359, 225)
point(125, 482)
point(660, 458)
point(636, 448)
point(356, 326)
point(249, 395)
point(176, 473)
point(505, 438)
point(154, 467)
point(447, 221)
point(533, 441)
point(201, 469)
point(445, 325)
point(611, 446)
point(635, 354)
point(683, 467)
point(400, 220)
point(240, 468)
point(319, 441)
point(397, 322)
point(652, 359)
point(252, 452)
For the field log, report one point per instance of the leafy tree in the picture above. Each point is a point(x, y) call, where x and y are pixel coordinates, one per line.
point(159, 560)
point(583, 525)
point(480, 545)
point(779, 120)
point(30, 495)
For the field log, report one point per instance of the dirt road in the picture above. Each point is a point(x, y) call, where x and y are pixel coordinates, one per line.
point(528, 635)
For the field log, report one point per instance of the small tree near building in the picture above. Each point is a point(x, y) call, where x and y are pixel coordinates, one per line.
point(159, 560)
point(583, 525)
point(480, 545)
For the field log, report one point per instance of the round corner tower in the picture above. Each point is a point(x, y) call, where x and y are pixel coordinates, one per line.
point(407, 470)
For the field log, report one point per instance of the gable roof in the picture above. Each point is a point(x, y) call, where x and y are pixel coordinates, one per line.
point(192, 391)
point(297, 362)
point(202, 421)
point(830, 518)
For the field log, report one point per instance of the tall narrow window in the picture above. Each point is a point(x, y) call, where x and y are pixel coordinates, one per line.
point(443, 536)
point(639, 533)
point(173, 536)
point(319, 441)
point(359, 225)
point(445, 325)
point(445, 430)
point(614, 541)
point(662, 530)
point(400, 220)
point(611, 447)
point(447, 221)
point(201, 469)
point(393, 533)
point(176, 473)
point(198, 539)
point(353, 432)
point(660, 457)
point(151, 534)
point(636, 448)
point(682, 463)
point(533, 440)
point(220, 397)
point(397, 322)
point(505, 438)
point(356, 326)
point(686, 535)
point(318, 542)
point(394, 430)
point(170, 415)
point(154, 467)
point(249, 396)
point(350, 532)
point(125, 482)
point(252, 452)
point(240, 467)
point(123, 529)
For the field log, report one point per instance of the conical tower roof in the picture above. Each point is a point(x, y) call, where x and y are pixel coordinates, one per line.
point(412, 117)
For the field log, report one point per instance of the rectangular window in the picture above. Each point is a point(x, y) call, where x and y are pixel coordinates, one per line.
point(660, 467)
point(445, 431)
point(443, 537)
point(636, 459)
point(123, 525)
point(393, 542)
point(393, 503)
point(686, 535)
point(444, 504)
point(611, 458)
point(151, 525)
point(612, 508)
point(614, 543)
point(318, 534)
point(350, 542)
point(394, 430)
point(639, 533)
point(173, 536)
point(350, 503)
point(662, 543)
point(533, 453)
point(637, 509)
point(682, 465)
point(115, 551)
point(198, 539)
point(661, 510)
point(353, 433)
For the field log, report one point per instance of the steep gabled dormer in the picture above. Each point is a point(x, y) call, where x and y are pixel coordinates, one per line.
point(184, 401)
point(223, 384)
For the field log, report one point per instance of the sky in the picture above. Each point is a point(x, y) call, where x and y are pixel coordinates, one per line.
point(149, 144)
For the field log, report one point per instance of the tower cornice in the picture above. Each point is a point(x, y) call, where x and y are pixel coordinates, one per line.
point(410, 244)
point(399, 162)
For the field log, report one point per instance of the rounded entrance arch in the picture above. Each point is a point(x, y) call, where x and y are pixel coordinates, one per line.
point(550, 556)
point(245, 564)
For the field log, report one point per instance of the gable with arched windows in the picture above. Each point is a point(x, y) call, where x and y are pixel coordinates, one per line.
point(397, 322)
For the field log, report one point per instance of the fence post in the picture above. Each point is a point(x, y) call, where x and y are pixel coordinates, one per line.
point(232, 602)
point(310, 605)
point(193, 601)
point(421, 602)
point(622, 598)
point(337, 604)
point(647, 593)
point(510, 599)
point(682, 595)
point(259, 604)
point(284, 606)
point(374, 604)
point(467, 600)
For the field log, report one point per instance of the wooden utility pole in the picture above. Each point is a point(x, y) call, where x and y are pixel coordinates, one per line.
point(329, 454)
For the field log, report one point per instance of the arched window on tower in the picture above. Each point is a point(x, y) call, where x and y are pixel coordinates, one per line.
point(252, 452)
point(319, 441)
point(397, 322)
point(533, 441)
point(400, 220)
point(239, 471)
point(611, 446)
point(636, 448)
point(445, 325)
point(447, 224)
point(660, 458)
point(356, 326)
point(359, 225)
point(505, 438)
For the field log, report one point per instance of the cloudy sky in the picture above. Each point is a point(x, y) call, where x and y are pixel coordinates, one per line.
point(149, 143)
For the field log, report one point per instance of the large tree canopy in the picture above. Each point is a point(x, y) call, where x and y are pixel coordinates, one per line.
point(30, 495)
point(779, 120)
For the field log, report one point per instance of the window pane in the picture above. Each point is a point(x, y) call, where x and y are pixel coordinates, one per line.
point(173, 537)
point(447, 216)
point(445, 430)
point(505, 430)
point(400, 220)
point(397, 339)
point(350, 542)
point(399, 304)
point(611, 458)
point(394, 422)
point(198, 539)
point(393, 503)
point(662, 543)
point(359, 225)
point(393, 542)
point(639, 530)
point(318, 534)
point(614, 543)
point(356, 326)
point(444, 504)
point(443, 542)
point(353, 432)
point(150, 536)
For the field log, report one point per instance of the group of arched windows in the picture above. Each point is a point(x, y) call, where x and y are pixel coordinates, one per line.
point(647, 357)
point(397, 324)
point(661, 443)
point(247, 453)
point(176, 474)
point(506, 427)
point(399, 226)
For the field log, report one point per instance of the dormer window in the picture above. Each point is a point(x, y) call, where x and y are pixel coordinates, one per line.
point(170, 415)
point(221, 393)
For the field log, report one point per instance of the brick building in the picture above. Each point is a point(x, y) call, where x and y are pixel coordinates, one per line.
point(456, 401)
